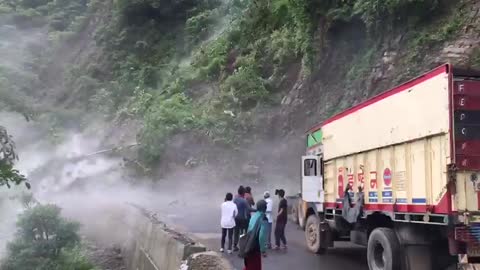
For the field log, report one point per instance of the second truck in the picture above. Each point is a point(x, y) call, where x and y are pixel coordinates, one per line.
point(399, 174)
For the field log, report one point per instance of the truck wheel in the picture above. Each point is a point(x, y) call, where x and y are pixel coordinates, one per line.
point(301, 220)
point(294, 214)
point(312, 235)
point(383, 251)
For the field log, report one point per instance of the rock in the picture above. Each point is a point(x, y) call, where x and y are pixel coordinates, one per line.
point(191, 163)
point(207, 261)
point(250, 170)
point(389, 57)
point(286, 100)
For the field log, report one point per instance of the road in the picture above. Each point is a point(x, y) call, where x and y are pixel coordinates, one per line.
point(344, 256)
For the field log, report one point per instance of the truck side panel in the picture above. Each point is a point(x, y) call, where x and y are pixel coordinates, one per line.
point(414, 110)
point(412, 176)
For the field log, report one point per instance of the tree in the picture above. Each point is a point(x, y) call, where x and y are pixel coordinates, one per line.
point(9, 175)
point(46, 241)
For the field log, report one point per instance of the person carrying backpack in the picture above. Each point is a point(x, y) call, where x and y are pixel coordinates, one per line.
point(253, 259)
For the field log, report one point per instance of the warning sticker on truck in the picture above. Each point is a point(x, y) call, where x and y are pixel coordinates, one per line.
point(387, 178)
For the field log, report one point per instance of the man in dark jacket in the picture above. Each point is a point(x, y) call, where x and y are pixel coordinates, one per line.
point(281, 220)
point(241, 220)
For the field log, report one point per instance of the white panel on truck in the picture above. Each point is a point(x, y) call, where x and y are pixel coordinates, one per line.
point(419, 110)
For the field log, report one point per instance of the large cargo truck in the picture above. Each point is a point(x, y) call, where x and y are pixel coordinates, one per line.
point(399, 174)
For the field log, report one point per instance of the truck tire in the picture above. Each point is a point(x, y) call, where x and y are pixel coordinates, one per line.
point(312, 235)
point(294, 214)
point(384, 251)
point(301, 220)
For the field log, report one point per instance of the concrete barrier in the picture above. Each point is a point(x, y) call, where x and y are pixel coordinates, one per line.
point(154, 246)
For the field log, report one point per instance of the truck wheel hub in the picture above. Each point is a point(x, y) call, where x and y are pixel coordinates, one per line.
point(312, 233)
point(379, 256)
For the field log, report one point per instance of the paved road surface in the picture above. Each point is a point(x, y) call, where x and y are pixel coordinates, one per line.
point(344, 256)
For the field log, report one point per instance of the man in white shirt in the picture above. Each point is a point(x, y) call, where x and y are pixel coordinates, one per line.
point(229, 212)
point(268, 213)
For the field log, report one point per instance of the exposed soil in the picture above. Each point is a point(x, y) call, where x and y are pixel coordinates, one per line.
point(106, 258)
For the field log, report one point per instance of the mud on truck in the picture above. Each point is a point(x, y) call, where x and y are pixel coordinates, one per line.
point(400, 175)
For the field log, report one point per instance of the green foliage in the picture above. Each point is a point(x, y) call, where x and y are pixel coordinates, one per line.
point(423, 40)
point(165, 117)
point(245, 87)
point(211, 58)
point(141, 102)
point(378, 14)
point(61, 15)
point(281, 47)
point(474, 60)
point(74, 259)
point(200, 27)
point(45, 240)
point(361, 66)
point(9, 175)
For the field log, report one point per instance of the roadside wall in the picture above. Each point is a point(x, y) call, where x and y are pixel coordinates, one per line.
point(153, 246)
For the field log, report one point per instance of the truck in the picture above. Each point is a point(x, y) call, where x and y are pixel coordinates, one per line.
point(400, 175)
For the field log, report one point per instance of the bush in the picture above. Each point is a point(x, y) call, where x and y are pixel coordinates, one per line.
point(199, 27)
point(45, 240)
point(9, 175)
point(211, 58)
point(282, 47)
point(377, 13)
point(166, 116)
point(245, 87)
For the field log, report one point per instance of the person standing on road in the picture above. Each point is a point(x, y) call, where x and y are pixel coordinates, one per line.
point(238, 194)
point(241, 219)
point(229, 212)
point(268, 214)
point(249, 197)
point(253, 260)
point(281, 221)
point(251, 202)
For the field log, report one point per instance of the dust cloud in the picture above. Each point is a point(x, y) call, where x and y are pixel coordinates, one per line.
point(98, 191)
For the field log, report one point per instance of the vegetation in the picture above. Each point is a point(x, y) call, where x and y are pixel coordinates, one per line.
point(45, 240)
point(156, 53)
point(9, 175)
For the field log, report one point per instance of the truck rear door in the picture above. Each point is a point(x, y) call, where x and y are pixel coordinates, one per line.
point(466, 136)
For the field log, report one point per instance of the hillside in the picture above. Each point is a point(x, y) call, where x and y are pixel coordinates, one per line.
point(231, 84)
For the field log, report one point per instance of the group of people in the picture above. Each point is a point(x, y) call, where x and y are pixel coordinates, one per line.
point(240, 215)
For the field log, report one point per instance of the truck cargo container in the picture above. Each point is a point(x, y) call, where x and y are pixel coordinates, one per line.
point(399, 174)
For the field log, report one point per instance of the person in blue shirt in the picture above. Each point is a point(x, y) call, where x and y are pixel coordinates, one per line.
point(253, 260)
point(241, 220)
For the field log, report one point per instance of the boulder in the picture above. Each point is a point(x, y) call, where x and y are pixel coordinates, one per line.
point(207, 261)
point(251, 170)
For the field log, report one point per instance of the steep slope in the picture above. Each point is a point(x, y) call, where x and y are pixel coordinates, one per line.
point(233, 84)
